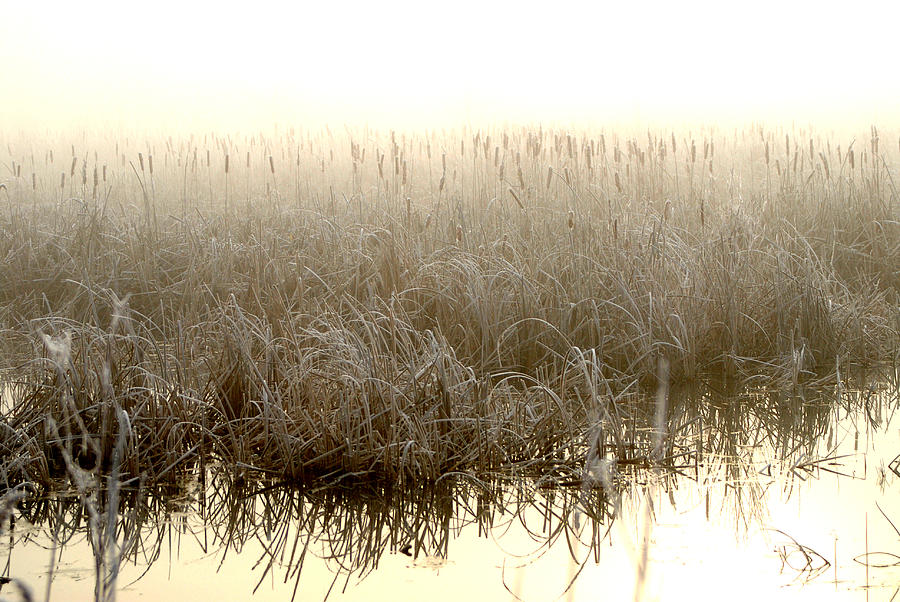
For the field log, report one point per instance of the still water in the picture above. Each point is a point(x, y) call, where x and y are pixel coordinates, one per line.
point(749, 503)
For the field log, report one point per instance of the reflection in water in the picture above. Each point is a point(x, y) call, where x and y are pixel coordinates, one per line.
point(772, 466)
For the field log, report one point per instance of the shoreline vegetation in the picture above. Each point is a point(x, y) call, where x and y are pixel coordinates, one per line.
point(356, 305)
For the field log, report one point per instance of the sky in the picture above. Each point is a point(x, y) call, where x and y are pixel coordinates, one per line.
point(171, 64)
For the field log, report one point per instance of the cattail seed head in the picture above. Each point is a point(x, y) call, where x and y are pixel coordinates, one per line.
point(570, 221)
point(516, 198)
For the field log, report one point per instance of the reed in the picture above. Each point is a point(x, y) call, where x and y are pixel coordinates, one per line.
point(406, 322)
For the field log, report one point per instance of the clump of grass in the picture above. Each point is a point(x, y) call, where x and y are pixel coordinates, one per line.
point(480, 308)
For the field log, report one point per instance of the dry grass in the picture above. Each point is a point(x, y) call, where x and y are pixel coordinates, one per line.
point(400, 307)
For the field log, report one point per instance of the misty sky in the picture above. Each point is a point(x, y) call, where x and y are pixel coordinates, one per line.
point(166, 64)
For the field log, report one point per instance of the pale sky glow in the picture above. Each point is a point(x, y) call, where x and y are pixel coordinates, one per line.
point(394, 63)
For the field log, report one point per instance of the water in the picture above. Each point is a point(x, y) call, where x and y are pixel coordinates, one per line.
point(751, 504)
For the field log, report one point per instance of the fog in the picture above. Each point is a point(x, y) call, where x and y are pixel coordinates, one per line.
point(175, 65)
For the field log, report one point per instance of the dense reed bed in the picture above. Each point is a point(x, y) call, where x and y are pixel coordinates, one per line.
point(727, 442)
point(362, 305)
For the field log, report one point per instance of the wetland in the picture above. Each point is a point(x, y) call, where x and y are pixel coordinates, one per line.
point(517, 363)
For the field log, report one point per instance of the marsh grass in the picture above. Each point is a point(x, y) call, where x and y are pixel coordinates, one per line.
point(352, 523)
point(386, 311)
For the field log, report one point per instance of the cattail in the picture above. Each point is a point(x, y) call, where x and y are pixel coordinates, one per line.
point(96, 177)
point(150, 162)
point(33, 181)
point(767, 152)
point(702, 216)
point(140, 160)
point(521, 179)
point(693, 152)
point(496, 156)
point(571, 220)
point(850, 156)
point(459, 233)
point(226, 162)
point(549, 176)
point(825, 163)
point(72, 169)
point(104, 173)
point(441, 184)
point(62, 181)
point(19, 170)
point(618, 183)
point(516, 198)
point(271, 165)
